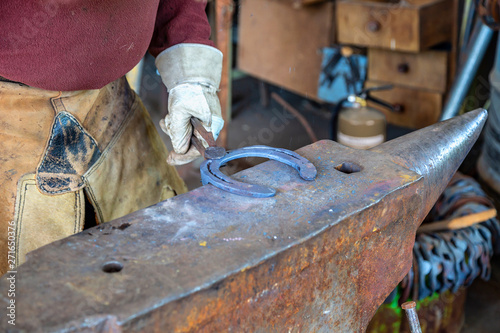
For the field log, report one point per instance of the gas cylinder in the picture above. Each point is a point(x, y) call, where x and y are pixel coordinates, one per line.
point(360, 126)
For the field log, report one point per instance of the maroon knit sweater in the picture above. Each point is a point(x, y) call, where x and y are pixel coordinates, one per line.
point(85, 44)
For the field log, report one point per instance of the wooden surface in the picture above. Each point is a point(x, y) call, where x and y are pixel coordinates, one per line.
point(223, 23)
point(436, 23)
point(282, 45)
point(426, 70)
point(420, 107)
point(458, 222)
point(452, 58)
point(300, 3)
point(409, 26)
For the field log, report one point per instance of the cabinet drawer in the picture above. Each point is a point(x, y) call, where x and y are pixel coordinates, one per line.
point(420, 108)
point(405, 26)
point(426, 70)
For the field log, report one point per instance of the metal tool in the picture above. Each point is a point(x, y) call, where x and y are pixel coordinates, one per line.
point(319, 256)
point(476, 49)
point(211, 174)
point(216, 157)
point(411, 314)
point(213, 151)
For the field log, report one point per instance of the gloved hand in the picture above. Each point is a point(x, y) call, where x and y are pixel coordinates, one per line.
point(191, 73)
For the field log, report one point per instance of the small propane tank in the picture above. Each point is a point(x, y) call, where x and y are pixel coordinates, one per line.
point(360, 126)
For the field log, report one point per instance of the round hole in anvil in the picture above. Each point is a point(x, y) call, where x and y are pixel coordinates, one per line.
point(112, 267)
point(348, 167)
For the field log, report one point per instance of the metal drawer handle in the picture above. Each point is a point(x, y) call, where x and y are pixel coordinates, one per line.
point(399, 108)
point(403, 68)
point(373, 26)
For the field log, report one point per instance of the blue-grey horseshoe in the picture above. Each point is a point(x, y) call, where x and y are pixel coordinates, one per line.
point(210, 173)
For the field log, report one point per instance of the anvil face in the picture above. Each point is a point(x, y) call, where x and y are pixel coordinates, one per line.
point(320, 256)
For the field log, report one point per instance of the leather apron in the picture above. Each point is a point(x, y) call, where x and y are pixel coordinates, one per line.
point(58, 147)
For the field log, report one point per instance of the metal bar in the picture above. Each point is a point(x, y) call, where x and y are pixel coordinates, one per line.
point(213, 151)
point(318, 256)
point(206, 135)
point(411, 314)
point(477, 47)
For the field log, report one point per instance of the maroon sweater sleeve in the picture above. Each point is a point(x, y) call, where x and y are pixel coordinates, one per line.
point(180, 21)
point(85, 44)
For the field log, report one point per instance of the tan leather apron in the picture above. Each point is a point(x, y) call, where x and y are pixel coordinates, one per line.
point(57, 147)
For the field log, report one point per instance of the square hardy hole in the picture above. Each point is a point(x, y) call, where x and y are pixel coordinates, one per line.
point(348, 167)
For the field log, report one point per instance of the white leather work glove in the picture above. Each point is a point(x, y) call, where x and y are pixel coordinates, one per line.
point(191, 73)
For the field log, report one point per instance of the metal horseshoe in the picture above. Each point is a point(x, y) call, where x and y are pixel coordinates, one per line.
point(211, 174)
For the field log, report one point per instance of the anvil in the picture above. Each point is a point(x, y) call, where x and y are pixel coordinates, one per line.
point(320, 256)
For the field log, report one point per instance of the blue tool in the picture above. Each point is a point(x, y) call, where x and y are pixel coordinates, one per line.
point(211, 174)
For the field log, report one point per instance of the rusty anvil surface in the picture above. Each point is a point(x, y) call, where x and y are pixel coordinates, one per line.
point(320, 256)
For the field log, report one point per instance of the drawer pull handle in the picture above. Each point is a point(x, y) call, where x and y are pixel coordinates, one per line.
point(399, 108)
point(403, 68)
point(373, 26)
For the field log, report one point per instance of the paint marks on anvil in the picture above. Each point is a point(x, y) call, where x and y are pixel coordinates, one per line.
point(224, 234)
point(270, 236)
point(184, 230)
point(232, 239)
point(410, 178)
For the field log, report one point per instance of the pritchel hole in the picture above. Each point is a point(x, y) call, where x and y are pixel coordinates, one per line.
point(124, 226)
point(348, 167)
point(112, 267)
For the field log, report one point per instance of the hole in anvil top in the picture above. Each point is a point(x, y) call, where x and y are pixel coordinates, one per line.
point(124, 226)
point(348, 167)
point(112, 267)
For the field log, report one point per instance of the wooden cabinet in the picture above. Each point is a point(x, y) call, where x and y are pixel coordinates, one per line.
point(398, 35)
point(280, 41)
point(282, 44)
point(404, 25)
point(426, 70)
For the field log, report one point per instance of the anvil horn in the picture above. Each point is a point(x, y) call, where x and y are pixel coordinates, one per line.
point(436, 152)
